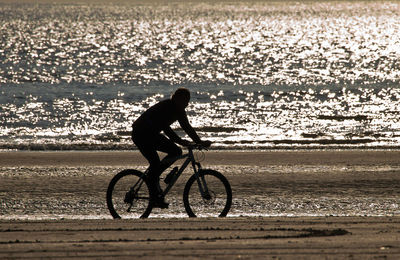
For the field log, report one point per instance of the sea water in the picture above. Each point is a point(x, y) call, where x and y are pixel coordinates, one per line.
point(262, 74)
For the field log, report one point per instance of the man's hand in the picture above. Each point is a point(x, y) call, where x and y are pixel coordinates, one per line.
point(205, 144)
point(184, 142)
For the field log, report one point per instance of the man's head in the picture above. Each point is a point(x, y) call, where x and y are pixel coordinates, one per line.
point(181, 97)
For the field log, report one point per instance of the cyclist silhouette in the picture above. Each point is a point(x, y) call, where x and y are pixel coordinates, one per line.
point(146, 134)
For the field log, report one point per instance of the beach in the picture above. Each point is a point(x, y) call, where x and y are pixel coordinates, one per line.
point(286, 204)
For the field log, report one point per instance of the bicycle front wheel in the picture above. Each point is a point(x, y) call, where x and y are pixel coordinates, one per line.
point(128, 195)
point(214, 201)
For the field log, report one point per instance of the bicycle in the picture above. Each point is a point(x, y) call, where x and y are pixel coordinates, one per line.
point(128, 191)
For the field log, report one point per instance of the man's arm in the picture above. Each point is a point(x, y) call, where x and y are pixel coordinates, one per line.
point(174, 137)
point(184, 122)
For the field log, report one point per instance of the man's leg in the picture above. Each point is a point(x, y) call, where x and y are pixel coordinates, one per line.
point(170, 148)
point(147, 146)
point(153, 171)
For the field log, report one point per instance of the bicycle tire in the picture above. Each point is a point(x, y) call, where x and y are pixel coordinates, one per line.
point(220, 190)
point(117, 191)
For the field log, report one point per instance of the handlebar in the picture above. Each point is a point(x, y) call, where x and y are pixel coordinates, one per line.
point(194, 146)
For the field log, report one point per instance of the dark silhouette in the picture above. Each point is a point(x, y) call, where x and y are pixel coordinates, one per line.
point(146, 134)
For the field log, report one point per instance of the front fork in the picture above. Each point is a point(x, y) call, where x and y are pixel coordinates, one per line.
point(201, 181)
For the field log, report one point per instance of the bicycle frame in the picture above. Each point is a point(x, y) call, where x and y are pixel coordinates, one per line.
point(196, 168)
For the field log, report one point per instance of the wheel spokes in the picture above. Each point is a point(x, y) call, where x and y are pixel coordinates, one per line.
point(129, 196)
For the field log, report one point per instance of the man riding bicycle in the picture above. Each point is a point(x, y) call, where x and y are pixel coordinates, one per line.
point(146, 134)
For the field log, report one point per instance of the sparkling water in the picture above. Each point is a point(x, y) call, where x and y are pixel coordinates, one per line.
point(262, 74)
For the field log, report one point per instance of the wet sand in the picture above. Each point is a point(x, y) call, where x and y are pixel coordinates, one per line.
point(307, 179)
point(371, 158)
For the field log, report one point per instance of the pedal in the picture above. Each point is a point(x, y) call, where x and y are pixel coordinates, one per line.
point(160, 205)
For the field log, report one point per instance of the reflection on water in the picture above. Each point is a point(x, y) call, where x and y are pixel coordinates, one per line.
point(269, 74)
point(245, 43)
point(251, 118)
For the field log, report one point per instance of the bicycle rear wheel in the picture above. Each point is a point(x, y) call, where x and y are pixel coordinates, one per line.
point(216, 202)
point(128, 195)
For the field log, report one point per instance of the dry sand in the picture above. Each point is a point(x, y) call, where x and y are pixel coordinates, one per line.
point(228, 238)
point(233, 237)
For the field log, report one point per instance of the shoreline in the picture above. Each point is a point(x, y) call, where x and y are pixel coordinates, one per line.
point(131, 147)
point(212, 157)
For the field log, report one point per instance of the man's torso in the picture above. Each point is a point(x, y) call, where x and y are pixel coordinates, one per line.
point(159, 116)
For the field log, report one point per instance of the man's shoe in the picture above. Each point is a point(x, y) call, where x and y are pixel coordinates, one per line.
point(159, 202)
